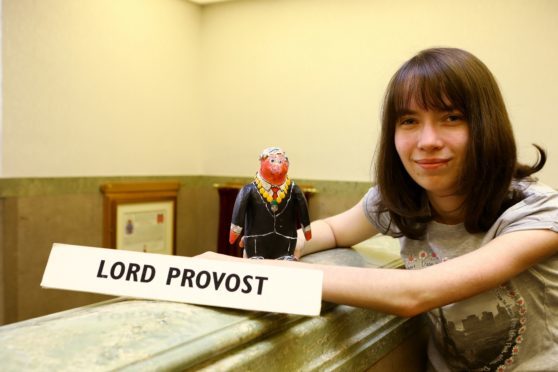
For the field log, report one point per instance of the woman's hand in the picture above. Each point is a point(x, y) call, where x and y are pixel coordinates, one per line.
point(216, 256)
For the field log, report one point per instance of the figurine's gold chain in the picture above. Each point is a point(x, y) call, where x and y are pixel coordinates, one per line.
point(280, 194)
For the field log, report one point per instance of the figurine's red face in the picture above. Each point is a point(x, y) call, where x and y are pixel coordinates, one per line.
point(274, 168)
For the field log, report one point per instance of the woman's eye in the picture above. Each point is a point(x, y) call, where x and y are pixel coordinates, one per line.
point(456, 116)
point(407, 121)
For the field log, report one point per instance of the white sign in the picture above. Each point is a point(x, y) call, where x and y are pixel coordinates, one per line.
point(236, 285)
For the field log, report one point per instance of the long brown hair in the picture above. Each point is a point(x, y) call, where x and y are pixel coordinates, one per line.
point(437, 79)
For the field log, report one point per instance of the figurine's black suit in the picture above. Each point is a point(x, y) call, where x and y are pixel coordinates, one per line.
point(268, 233)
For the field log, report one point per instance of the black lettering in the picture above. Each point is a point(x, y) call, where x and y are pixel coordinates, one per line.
point(246, 281)
point(147, 270)
point(207, 279)
point(218, 280)
point(133, 269)
point(188, 274)
point(228, 283)
point(100, 271)
point(173, 273)
point(260, 285)
point(114, 274)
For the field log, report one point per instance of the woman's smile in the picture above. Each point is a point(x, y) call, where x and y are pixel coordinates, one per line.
point(432, 163)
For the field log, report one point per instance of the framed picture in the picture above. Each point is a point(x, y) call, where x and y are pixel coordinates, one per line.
point(140, 216)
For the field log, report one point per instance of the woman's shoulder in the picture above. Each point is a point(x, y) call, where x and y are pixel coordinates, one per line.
point(377, 216)
point(370, 202)
point(535, 191)
point(537, 210)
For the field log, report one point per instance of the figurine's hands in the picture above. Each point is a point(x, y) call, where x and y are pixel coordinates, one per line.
point(307, 232)
point(233, 236)
point(234, 233)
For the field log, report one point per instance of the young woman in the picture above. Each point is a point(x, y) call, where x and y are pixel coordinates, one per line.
point(482, 232)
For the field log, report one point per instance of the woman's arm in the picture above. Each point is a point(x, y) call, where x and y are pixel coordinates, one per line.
point(342, 230)
point(411, 292)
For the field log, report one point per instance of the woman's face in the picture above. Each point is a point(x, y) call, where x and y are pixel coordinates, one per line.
point(432, 146)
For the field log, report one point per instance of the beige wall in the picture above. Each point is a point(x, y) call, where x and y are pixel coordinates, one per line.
point(100, 87)
point(130, 87)
point(309, 75)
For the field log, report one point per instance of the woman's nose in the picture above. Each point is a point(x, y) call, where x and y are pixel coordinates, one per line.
point(429, 137)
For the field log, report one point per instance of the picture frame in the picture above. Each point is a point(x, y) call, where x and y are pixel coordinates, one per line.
point(140, 216)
